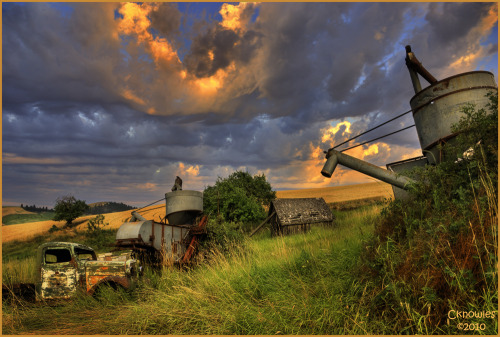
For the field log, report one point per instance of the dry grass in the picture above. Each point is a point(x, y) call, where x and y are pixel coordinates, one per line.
point(8, 210)
point(27, 231)
point(342, 193)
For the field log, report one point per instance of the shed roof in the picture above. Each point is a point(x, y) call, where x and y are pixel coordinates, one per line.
point(296, 211)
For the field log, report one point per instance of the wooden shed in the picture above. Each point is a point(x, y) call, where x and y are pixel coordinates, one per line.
point(298, 214)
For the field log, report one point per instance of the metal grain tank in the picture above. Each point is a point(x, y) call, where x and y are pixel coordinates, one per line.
point(162, 242)
point(437, 107)
point(183, 206)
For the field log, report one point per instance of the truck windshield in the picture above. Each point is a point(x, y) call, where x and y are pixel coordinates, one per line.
point(57, 255)
point(85, 254)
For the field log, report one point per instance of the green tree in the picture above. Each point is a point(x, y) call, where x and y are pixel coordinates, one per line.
point(68, 208)
point(240, 197)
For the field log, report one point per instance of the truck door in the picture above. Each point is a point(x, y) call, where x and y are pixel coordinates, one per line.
point(58, 273)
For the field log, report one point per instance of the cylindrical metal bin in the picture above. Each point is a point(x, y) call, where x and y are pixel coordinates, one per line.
point(439, 106)
point(183, 206)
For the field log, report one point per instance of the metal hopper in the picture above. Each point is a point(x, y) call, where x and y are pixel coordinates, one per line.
point(160, 242)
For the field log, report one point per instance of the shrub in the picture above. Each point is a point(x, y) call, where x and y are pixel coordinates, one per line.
point(238, 198)
point(96, 234)
point(53, 229)
point(437, 252)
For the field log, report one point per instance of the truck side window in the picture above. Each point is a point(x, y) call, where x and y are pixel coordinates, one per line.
point(84, 254)
point(57, 256)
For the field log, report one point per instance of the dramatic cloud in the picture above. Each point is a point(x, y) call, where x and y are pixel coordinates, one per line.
point(110, 101)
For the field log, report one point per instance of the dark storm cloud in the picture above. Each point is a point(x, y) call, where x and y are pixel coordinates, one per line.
point(166, 18)
point(452, 30)
point(450, 22)
point(49, 57)
point(217, 48)
point(68, 128)
point(308, 49)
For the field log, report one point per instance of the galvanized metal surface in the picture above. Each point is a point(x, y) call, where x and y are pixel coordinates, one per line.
point(336, 157)
point(182, 207)
point(438, 107)
point(403, 167)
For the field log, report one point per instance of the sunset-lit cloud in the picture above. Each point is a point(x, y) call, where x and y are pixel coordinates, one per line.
point(232, 16)
point(329, 133)
point(136, 22)
point(188, 170)
point(123, 97)
point(12, 158)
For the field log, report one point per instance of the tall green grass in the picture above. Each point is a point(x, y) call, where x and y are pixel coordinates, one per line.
point(19, 271)
point(298, 284)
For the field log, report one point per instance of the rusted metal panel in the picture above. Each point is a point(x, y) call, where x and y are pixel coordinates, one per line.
point(141, 234)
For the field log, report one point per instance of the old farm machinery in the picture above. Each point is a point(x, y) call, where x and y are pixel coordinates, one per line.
point(175, 238)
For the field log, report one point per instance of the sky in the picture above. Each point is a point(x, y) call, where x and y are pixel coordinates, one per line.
point(112, 101)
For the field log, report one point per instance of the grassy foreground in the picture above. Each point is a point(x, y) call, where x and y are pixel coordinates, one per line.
point(300, 284)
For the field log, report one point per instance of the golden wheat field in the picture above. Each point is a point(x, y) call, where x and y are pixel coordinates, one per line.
point(8, 210)
point(342, 193)
point(157, 212)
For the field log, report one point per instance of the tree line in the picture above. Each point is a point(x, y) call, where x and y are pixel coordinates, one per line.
point(33, 208)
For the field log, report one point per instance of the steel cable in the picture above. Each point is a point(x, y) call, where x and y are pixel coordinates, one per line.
point(372, 140)
point(365, 132)
point(149, 204)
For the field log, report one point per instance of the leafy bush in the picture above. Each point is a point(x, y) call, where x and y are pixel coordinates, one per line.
point(222, 236)
point(437, 252)
point(238, 198)
point(96, 234)
point(53, 229)
point(96, 225)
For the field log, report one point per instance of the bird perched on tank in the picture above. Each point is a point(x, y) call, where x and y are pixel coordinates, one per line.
point(177, 185)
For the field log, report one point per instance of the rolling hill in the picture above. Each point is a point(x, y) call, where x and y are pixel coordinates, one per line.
point(27, 231)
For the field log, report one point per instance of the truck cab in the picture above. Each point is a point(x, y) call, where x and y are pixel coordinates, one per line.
point(65, 268)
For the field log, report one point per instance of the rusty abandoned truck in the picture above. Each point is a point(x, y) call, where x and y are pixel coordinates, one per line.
point(64, 269)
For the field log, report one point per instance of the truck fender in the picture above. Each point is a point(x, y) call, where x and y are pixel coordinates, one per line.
point(113, 281)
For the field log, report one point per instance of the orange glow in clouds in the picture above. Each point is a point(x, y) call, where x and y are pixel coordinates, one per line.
point(231, 15)
point(329, 133)
point(136, 22)
point(192, 171)
point(476, 51)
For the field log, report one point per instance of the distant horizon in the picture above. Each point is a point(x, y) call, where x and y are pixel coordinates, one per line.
point(314, 188)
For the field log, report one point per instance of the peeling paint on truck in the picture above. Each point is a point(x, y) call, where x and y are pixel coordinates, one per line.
point(64, 268)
